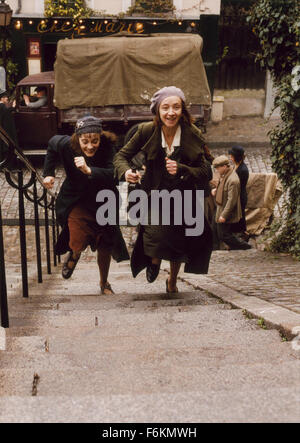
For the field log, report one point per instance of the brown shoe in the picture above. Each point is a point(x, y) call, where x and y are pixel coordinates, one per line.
point(106, 289)
point(69, 265)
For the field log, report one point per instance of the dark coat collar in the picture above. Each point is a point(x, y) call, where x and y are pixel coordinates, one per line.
point(191, 142)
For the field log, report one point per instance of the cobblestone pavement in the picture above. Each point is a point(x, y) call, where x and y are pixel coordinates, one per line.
point(246, 131)
point(271, 277)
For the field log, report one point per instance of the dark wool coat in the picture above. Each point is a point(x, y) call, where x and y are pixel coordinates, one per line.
point(193, 172)
point(243, 173)
point(8, 124)
point(78, 186)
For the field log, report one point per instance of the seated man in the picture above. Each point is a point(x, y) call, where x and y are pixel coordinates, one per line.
point(4, 97)
point(41, 96)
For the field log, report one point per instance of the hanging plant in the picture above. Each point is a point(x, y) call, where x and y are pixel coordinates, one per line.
point(277, 25)
point(11, 67)
point(152, 7)
point(63, 8)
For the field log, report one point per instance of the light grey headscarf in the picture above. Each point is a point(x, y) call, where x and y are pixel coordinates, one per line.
point(159, 96)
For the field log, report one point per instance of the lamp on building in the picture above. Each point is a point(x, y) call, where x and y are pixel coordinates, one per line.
point(5, 14)
point(5, 18)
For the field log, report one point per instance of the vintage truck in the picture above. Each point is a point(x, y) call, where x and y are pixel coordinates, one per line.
point(112, 78)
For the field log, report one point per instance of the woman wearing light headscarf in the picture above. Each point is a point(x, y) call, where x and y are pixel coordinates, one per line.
point(173, 150)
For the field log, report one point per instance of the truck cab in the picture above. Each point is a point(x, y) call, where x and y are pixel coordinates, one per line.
point(35, 126)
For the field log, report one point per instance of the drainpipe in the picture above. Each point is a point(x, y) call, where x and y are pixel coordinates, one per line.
point(19, 7)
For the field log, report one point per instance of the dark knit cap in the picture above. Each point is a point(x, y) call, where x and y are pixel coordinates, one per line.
point(88, 124)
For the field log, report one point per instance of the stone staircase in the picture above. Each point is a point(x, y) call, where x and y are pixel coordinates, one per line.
point(139, 356)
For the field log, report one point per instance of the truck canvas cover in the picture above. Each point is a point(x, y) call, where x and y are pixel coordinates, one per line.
point(127, 70)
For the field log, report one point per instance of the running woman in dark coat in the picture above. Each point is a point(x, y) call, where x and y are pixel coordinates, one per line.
point(173, 148)
point(87, 160)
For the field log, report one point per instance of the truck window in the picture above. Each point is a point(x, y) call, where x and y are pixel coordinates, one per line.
point(33, 97)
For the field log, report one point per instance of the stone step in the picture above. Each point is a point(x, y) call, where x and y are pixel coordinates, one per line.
point(104, 304)
point(83, 337)
point(41, 353)
point(149, 379)
point(122, 283)
point(93, 341)
point(135, 304)
point(136, 341)
point(166, 320)
point(275, 404)
point(138, 301)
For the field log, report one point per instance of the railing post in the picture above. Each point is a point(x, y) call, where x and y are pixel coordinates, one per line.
point(3, 289)
point(53, 233)
point(47, 236)
point(57, 235)
point(37, 233)
point(17, 182)
point(22, 229)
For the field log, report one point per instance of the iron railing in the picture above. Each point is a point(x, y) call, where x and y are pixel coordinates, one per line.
point(39, 197)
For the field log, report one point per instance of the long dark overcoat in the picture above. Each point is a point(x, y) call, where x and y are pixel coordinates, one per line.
point(78, 186)
point(8, 124)
point(193, 172)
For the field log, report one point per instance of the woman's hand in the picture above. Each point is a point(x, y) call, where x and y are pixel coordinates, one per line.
point(132, 177)
point(221, 220)
point(48, 182)
point(171, 166)
point(80, 163)
point(213, 192)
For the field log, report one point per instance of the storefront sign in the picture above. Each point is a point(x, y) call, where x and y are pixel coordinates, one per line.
point(93, 27)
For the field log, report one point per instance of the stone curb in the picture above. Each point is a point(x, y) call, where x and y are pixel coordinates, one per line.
point(272, 316)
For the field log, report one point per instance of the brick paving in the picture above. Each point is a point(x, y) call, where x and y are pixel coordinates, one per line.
point(271, 277)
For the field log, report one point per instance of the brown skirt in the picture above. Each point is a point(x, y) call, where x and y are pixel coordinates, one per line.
point(85, 231)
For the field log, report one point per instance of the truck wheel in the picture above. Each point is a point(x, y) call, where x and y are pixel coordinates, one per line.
point(130, 133)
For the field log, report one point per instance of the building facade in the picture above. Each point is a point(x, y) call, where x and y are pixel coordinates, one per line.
point(35, 36)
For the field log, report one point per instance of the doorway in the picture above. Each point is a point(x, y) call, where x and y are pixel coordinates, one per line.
point(49, 55)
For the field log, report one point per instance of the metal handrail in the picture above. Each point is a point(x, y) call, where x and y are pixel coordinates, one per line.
point(15, 178)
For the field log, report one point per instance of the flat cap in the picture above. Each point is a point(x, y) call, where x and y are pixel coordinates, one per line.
point(221, 160)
